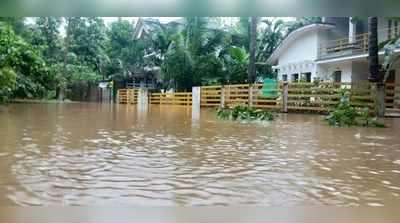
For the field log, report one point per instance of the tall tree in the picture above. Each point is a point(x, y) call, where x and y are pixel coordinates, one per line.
point(48, 37)
point(22, 62)
point(63, 74)
point(373, 59)
point(373, 49)
point(252, 50)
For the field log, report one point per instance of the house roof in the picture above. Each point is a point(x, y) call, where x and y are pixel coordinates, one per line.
point(145, 26)
point(295, 35)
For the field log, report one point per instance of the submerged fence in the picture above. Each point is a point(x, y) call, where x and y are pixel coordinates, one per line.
point(127, 96)
point(176, 98)
point(309, 97)
point(306, 97)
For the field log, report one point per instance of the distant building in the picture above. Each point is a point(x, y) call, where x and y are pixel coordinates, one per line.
point(334, 50)
point(149, 76)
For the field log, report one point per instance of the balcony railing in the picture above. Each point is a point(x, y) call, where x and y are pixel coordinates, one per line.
point(343, 47)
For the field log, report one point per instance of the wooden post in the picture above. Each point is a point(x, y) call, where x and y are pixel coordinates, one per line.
point(285, 97)
point(250, 95)
point(222, 97)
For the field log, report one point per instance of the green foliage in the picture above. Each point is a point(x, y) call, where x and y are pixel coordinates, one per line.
point(7, 83)
point(236, 63)
point(38, 59)
point(21, 58)
point(240, 112)
point(344, 114)
point(88, 41)
point(390, 57)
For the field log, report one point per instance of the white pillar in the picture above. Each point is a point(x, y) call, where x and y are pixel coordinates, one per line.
point(142, 105)
point(352, 30)
point(143, 97)
point(196, 100)
point(251, 95)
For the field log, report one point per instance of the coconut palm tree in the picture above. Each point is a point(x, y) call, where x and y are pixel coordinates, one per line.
point(373, 57)
point(252, 50)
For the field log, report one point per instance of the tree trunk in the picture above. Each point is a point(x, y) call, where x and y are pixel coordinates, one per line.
point(61, 93)
point(252, 50)
point(380, 88)
point(373, 57)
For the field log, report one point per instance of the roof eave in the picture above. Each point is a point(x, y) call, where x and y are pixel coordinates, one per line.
point(293, 36)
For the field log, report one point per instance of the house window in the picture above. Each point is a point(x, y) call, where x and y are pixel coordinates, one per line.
point(295, 77)
point(284, 77)
point(396, 28)
point(389, 29)
point(337, 76)
point(306, 77)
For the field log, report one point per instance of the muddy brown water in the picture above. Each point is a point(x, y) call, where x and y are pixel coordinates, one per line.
point(94, 154)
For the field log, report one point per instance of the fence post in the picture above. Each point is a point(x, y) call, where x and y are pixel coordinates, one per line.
point(222, 101)
point(143, 97)
point(285, 97)
point(196, 98)
point(250, 95)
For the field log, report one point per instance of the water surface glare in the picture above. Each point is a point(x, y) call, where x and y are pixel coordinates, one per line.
point(94, 154)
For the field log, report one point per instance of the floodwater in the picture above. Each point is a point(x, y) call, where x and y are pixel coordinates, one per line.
point(98, 154)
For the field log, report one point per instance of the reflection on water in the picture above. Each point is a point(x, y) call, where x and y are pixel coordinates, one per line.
point(90, 154)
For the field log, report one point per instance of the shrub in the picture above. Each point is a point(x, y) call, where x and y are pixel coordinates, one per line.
point(7, 83)
point(241, 112)
point(345, 114)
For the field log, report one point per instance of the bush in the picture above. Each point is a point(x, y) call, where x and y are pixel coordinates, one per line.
point(346, 115)
point(241, 112)
point(7, 83)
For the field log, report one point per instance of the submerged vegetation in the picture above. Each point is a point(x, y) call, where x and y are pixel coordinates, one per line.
point(241, 112)
point(344, 114)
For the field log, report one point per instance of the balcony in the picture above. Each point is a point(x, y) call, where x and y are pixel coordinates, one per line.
point(342, 47)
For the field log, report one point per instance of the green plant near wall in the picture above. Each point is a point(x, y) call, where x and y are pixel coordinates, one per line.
point(344, 114)
point(241, 112)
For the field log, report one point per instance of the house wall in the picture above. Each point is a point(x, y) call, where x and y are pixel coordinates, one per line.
point(303, 48)
point(382, 29)
point(298, 68)
point(325, 72)
point(341, 31)
point(298, 57)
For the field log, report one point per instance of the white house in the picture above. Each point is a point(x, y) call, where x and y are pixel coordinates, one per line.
point(334, 50)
